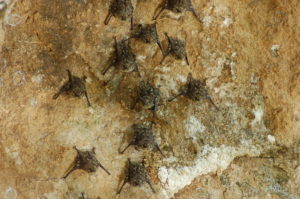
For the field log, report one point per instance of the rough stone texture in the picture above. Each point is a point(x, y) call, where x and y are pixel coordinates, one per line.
point(247, 50)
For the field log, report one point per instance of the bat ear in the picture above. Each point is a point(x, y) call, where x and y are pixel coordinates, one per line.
point(143, 160)
point(69, 74)
point(204, 81)
point(131, 24)
point(115, 39)
point(190, 77)
point(135, 127)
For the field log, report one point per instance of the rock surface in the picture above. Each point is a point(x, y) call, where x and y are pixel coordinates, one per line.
point(248, 52)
